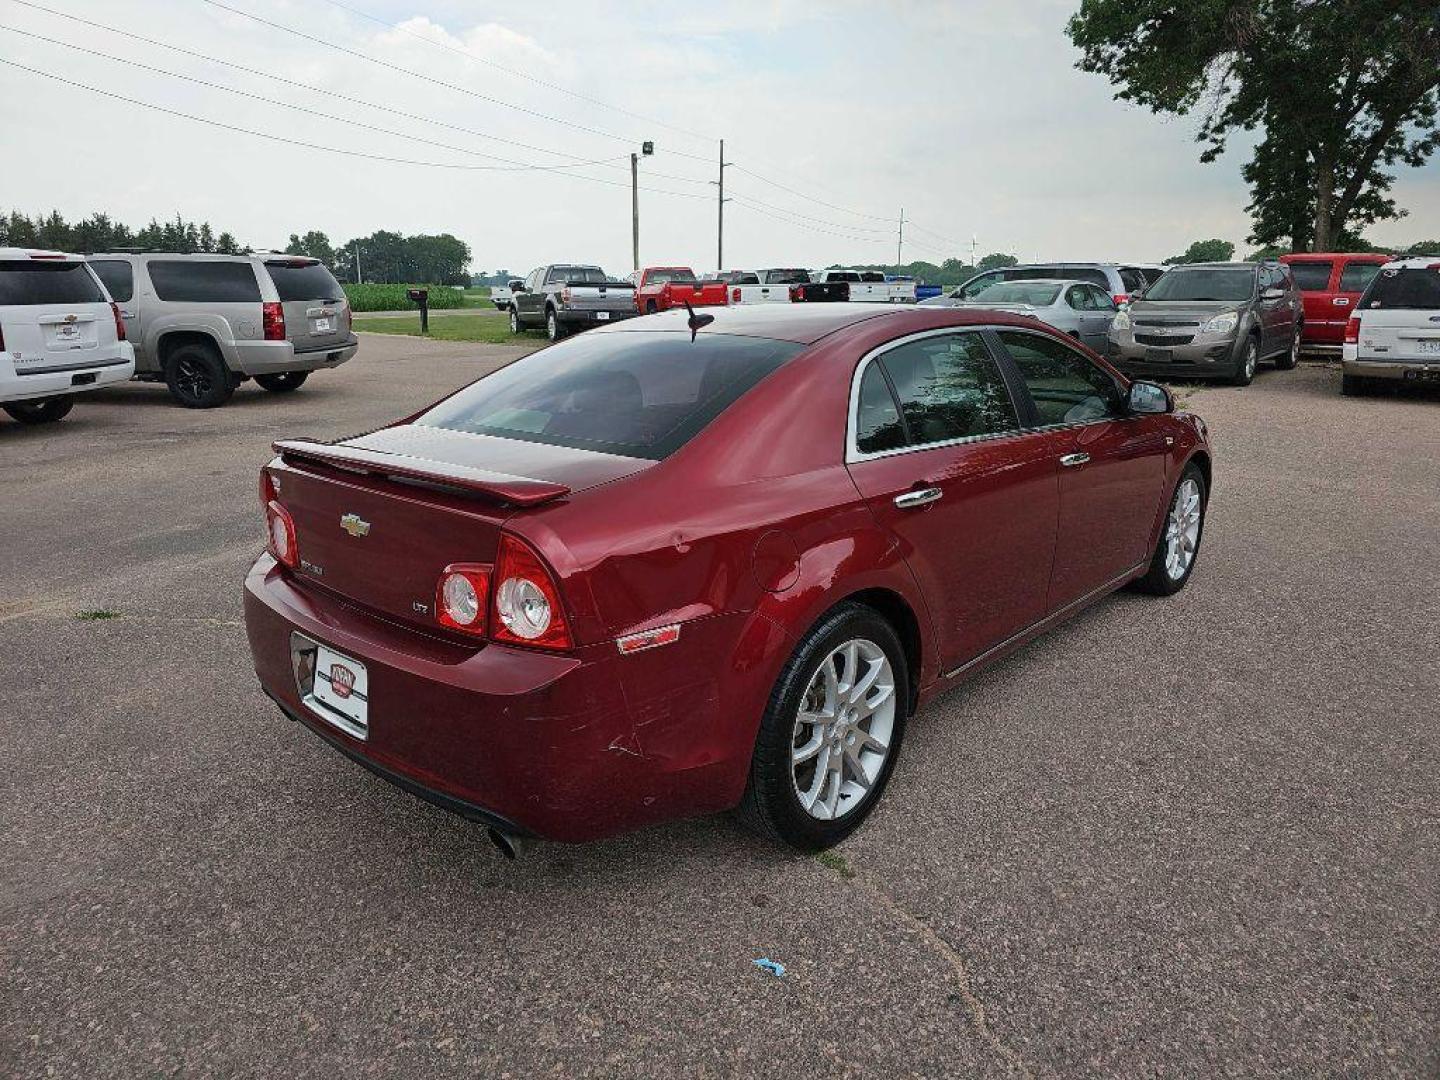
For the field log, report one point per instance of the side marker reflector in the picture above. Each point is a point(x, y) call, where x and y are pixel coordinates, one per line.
point(648, 639)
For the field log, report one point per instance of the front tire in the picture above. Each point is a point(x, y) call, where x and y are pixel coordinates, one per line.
point(831, 732)
point(514, 321)
point(282, 382)
point(1249, 361)
point(45, 411)
point(198, 378)
point(1179, 545)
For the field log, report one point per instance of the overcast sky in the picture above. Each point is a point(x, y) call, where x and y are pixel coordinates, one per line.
point(970, 115)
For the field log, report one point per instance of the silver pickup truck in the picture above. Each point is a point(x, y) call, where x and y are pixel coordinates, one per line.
point(565, 297)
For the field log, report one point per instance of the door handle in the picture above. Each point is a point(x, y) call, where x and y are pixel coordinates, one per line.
point(917, 498)
point(1341, 301)
point(1070, 461)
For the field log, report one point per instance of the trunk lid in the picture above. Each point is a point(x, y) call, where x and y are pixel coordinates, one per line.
point(379, 517)
point(612, 296)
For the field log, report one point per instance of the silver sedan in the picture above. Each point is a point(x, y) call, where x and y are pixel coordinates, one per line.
point(1079, 308)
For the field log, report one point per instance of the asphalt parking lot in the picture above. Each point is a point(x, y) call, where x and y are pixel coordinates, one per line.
point(1177, 838)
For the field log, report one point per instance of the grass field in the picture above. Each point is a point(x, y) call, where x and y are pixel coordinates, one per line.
point(491, 327)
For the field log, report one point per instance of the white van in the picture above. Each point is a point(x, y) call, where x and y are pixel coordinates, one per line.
point(60, 334)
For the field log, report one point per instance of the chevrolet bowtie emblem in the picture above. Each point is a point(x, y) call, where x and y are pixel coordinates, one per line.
point(355, 525)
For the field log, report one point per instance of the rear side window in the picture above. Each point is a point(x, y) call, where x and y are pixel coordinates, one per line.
point(304, 281)
point(1132, 279)
point(1312, 276)
point(1356, 276)
point(949, 387)
point(877, 421)
point(1092, 274)
point(118, 277)
point(637, 394)
point(1404, 289)
point(204, 282)
point(1065, 387)
point(24, 283)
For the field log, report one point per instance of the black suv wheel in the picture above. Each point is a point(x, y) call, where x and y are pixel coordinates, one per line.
point(45, 411)
point(197, 377)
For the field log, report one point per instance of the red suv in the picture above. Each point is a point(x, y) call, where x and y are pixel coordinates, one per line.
point(1330, 284)
point(677, 566)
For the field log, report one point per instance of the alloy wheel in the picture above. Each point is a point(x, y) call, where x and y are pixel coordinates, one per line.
point(192, 379)
point(514, 321)
point(1182, 529)
point(1252, 359)
point(843, 730)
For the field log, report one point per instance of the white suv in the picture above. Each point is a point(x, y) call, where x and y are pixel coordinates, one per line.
point(60, 334)
point(1394, 331)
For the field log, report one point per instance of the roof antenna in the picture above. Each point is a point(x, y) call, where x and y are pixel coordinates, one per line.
point(695, 322)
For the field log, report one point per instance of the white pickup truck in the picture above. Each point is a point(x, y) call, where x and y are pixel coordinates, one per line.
point(870, 286)
point(780, 286)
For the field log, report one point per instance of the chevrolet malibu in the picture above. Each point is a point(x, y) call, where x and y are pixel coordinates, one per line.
point(681, 566)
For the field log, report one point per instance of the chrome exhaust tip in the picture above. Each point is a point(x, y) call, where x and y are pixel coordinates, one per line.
point(508, 844)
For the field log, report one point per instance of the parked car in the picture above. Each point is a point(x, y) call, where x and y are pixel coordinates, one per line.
point(500, 297)
point(660, 288)
point(1122, 280)
point(1211, 320)
point(1394, 333)
point(745, 287)
point(922, 290)
point(203, 324)
point(1330, 284)
point(60, 334)
point(870, 286)
point(653, 572)
point(1078, 308)
point(565, 297)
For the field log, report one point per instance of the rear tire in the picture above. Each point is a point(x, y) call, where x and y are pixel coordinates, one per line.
point(793, 753)
point(198, 378)
point(1179, 545)
point(651, 307)
point(45, 411)
point(553, 330)
point(282, 382)
point(514, 321)
point(1249, 361)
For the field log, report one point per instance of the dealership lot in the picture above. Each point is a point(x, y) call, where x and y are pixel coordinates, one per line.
point(1196, 836)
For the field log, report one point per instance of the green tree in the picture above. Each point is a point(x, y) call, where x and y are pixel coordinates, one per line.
point(996, 260)
point(315, 244)
point(1205, 251)
point(1343, 90)
point(225, 244)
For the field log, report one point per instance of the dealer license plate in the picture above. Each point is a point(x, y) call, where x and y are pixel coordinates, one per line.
point(1429, 346)
point(323, 326)
point(602, 315)
point(342, 692)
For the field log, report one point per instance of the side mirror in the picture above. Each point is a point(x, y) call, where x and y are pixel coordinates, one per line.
point(1148, 399)
point(1272, 294)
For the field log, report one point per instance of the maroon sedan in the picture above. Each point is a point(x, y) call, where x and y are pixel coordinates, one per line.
point(656, 571)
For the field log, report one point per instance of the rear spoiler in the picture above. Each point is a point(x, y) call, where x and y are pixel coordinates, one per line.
point(516, 490)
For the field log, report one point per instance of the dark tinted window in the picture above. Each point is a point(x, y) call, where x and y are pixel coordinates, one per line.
point(1065, 386)
point(1151, 274)
point(949, 388)
point(1312, 276)
point(786, 277)
point(578, 275)
point(1356, 277)
point(872, 275)
point(1204, 283)
point(118, 277)
point(1404, 289)
point(877, 423)
point(1018, 292)
point(638, 394)
point(1103, 300)
point(1080, 298)
point(679, 273)
point(200, 281)
point(1132, 279)
point(304, 281)
point(24, 283)
point(1085, 273)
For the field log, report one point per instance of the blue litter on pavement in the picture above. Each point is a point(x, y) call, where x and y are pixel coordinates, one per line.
point(771, 966)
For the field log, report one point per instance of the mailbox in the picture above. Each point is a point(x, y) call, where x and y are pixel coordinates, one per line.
point(418, 295)
point(421, 297)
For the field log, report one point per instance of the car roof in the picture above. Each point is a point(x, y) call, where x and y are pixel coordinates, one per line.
point(1328, 256)
point(1415, 262)
point(805, 324)
point(15, 254)
point(1222, 265)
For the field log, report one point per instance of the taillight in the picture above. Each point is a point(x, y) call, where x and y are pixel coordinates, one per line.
point(527, 608)
point(273, 318)
point(797, 292)
point(735, 295)
point(1120, 299)
point(269, 489)
point(281, 528)
point(119, 321)
point(565, 295)
point(1352, 329)
point(462, 597)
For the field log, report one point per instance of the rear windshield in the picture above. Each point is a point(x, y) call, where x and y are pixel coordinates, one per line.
point(119, 279)
point(636, 394)
point(24, 283)
point(787, 277)
point(1132, 278)
point(841, 275)
point(1018, 292)
point(1311, 276)
point(204, 281)
point(1217, 283)
point(306, 281)
point(1404, 289)
point(872, 275)
point(659, 277)
point(578, 275)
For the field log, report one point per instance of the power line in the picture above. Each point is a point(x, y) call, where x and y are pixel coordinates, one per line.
point(518, 74)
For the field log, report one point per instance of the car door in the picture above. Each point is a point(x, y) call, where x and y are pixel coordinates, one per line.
point(1098, 336)
point(1091, 325)
point(1111, 464)
point(1275, 312)
point(528, 302)
point(938, 451)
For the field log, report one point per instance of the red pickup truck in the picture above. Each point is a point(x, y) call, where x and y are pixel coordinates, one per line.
point(659, 288)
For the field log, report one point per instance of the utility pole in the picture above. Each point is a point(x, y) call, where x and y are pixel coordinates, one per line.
point(720, 216)
point(635, 209)
point(972, 251)
point(900, 242)
point(359, 277)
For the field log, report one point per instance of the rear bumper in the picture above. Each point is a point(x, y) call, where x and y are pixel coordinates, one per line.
point(581, 317)
point(269, 357)
point(541, 744)
point(73, 379)
point(1427, 371)
point(1202, 359)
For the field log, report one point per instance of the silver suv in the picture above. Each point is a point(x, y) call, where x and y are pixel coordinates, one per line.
point(205, 323)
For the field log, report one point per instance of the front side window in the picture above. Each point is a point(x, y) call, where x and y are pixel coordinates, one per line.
point(1019, 292)
point(118, 277)
point(1357, 276)
point(532, 281)
point(1079, 298)
point(984, 281)
point(1312, 276)
point(636, 394)
point(1103, 300)
point(204, 282)
point(949, 387)
point(1065, 387)
point(1224, 283)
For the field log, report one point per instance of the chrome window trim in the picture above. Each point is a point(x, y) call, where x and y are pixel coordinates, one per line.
point(854, 454)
